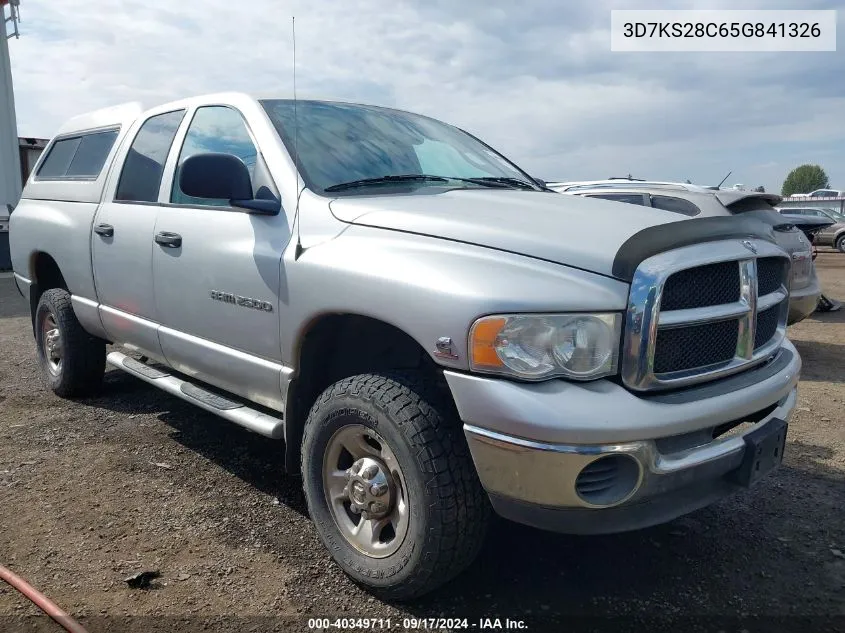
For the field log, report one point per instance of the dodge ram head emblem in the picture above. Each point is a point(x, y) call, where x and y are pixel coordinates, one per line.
point(750, 246)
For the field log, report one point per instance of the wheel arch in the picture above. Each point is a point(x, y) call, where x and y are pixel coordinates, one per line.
point(338, 345)
point(45, 274)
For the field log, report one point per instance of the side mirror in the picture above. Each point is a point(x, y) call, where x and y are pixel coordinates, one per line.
point(539, 181)
point(222, 177)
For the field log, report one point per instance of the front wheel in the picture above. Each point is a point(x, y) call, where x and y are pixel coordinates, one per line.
point(840, 244)
point(390, 484)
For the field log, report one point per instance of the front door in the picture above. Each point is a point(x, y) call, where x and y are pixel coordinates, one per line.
point(217, 272)
point(122, 243)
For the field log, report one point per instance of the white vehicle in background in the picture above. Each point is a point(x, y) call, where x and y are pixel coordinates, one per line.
point(821, 193)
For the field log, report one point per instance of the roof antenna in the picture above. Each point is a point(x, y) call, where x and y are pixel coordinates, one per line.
point(297, 219)
point(719, 186)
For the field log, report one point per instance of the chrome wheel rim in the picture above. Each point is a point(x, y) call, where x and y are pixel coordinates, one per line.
point(365, 490)
point(51, 343)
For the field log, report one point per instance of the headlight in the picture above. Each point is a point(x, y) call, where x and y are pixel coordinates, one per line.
point(537, 347)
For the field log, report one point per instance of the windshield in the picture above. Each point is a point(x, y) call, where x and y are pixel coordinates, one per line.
point(345, 143)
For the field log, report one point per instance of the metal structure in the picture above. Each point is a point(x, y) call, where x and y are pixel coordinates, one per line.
point(837, 204)
point(10, 170)
point(10, 20)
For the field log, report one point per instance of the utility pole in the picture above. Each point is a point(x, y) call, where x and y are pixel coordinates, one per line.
point(10, 168)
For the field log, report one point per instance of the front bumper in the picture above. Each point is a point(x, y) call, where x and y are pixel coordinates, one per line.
point(530, 443)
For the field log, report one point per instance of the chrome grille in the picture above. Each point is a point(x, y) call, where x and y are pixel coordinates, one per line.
point(702, 286)
point(704, 311)
point(683, 348)
point(770, 274)
point(767, 325)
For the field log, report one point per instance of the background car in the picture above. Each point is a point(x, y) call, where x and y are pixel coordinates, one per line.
point(821, 193)
point(692, 200)
point(831, 235)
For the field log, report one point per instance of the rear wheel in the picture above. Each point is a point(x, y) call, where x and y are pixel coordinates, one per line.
point(390, 484)
point(72, 361)
point(840, 243)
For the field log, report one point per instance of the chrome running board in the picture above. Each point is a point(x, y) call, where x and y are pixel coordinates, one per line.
point(228, 408)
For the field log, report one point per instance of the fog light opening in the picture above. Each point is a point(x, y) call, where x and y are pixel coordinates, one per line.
point(608, 480)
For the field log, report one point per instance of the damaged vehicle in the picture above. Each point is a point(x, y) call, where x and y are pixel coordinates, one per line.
point(430, 333)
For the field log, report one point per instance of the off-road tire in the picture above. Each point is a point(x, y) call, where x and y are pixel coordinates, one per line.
point(449, 509)
point(83, 355)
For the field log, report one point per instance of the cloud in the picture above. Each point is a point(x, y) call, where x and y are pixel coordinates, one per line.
point(536, 80)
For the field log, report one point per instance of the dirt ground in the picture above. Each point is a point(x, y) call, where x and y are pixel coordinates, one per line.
point(94, 490)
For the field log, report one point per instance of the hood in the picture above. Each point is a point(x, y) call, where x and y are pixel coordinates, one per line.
point(580, 232)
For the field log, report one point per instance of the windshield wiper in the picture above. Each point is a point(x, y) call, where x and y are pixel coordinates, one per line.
point(364, 182)
point(501, 181)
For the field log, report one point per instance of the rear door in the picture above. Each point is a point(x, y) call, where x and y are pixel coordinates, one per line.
point(122, 243)
point(217, 270)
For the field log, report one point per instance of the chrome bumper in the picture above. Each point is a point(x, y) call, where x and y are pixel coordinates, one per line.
point(663, 444)
point(546, 474)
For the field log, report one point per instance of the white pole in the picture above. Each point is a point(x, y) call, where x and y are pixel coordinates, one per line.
point(10, 167)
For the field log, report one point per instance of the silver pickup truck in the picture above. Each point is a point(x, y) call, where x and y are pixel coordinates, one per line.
point(431, 332)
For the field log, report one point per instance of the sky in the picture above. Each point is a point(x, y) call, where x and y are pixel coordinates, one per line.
point(536, 79)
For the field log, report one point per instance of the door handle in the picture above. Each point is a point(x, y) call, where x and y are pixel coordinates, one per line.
point(106, 230)
point(168, 239)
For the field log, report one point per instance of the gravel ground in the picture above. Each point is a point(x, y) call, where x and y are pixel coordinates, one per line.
point(94, 490)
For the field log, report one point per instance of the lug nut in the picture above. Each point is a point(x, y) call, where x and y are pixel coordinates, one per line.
point(370, 472)
point(377, 507)
point(378, 489)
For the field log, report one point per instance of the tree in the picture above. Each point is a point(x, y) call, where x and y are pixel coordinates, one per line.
point(805, 179)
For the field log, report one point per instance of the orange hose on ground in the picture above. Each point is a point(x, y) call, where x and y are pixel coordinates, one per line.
point(41, 601)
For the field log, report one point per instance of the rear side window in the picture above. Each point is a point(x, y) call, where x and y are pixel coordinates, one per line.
point(630, 198)
point(144, 165)
point(675, 205)
point(78, 157)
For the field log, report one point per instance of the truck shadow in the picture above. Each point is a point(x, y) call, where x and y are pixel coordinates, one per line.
point(250, 457)
point(12, 304)
point(752, 553)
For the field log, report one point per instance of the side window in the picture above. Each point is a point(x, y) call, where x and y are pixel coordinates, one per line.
point(216, 129)
point(78, 158)
point(675, 205)
point(141, 176)
point(630, 198)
